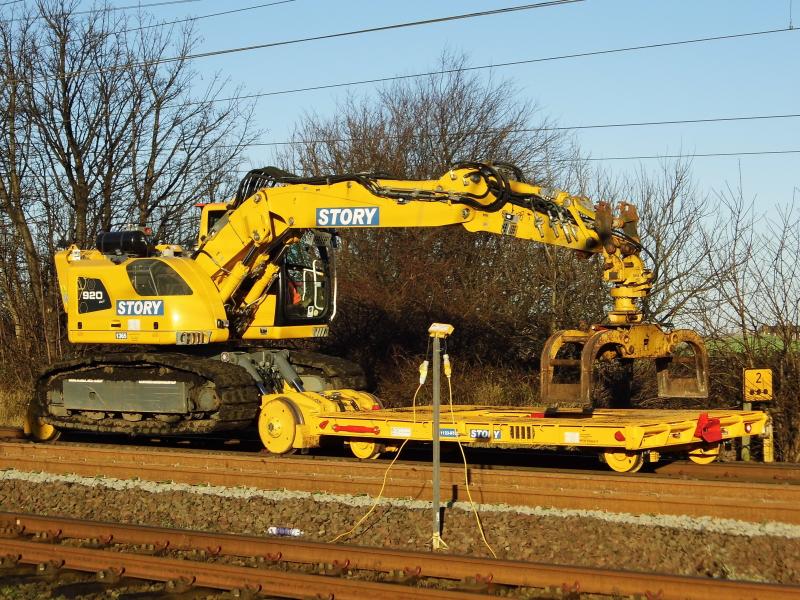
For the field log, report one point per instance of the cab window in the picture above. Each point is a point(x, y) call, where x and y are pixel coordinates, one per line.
point(151, 277)
point(307, 291)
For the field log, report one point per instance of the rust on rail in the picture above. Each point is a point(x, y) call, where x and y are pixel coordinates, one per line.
point(412, 565)
point(756, 501)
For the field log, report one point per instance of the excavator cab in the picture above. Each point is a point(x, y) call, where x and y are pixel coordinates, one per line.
point(301, 299)
point(307, 281)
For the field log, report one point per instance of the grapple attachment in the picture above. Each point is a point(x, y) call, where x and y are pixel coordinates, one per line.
point(680, 356)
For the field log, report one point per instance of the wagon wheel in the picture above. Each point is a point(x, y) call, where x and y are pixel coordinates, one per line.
point(624, 462)
point(277, 426)
point(36, 429)
point(365, 449)
point(705, 455)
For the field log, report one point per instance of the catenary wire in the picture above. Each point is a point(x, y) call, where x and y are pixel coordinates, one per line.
point(209, 16)
point(545, 128)
point(513, 63)
point(355, 32)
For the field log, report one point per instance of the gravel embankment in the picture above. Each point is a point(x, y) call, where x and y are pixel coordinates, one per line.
point(678, 545)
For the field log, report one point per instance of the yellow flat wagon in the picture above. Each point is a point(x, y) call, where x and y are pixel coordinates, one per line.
point(624, 438)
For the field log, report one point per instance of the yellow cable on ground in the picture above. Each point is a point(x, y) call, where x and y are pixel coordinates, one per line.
point(374, 504)
point(448, 372)
point(389, 468)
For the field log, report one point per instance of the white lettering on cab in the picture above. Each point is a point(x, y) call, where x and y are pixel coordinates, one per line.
point(144, 308)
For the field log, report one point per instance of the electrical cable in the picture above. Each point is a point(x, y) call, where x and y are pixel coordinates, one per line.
point(448, 374)
point(208, 16)
point(377, 499)
point(355, 32)
point(486, 132)
point(423, 374)
point(507, 64)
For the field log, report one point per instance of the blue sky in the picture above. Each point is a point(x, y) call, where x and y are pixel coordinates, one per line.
point(757, 75)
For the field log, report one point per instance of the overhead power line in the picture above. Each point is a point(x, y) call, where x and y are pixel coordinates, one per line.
point(696, 155)
point(210, 15)
point(355, 32)
point(505, 64)
point(110, 8)
point(676, 122)
point(484, 13)
point(554, 128)
point(150, 5)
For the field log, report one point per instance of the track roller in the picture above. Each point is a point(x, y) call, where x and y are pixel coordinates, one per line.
point(365, 449)
point(705, 455)
point(622, 461)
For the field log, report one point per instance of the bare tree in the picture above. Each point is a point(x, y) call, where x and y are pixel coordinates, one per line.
point(678, 228)
point(101, 124)
point(752, 316)
point(504, 296)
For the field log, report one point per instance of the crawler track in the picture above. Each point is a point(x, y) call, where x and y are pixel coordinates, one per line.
point(236, 405)
point(756, 501)
point(334, 567)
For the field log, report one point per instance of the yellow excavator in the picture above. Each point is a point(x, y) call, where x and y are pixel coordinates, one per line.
point(195, 330)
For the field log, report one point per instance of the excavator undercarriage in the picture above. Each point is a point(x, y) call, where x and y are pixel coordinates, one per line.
point(168, 393)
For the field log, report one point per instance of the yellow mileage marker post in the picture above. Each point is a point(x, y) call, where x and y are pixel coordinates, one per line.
point(757, 387)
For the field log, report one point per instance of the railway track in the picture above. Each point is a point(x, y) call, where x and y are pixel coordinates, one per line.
point(771, 495)
point(297, 569)
point(11, 433)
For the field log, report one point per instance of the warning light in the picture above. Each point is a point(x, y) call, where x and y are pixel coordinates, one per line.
point(619, 436)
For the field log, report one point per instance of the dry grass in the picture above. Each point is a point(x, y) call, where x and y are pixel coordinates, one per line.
point(12, 407)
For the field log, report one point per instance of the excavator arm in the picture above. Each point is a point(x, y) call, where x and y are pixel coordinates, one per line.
point(476, 196)
point(272, 210)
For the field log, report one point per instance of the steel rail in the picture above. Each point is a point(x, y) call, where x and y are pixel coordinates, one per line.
point(11, 433)
point(422, 564)
point(753, 472)
point(747, 501)
point(221, 576)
